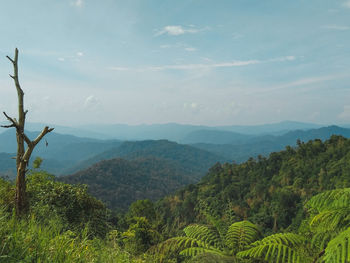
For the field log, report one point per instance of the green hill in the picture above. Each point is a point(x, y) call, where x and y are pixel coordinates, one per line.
point(195, 161)
point(120, 182)
point(268, 191)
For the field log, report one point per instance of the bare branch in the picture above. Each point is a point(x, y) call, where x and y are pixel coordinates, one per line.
point(13, 62)
point(8, 126)
point(12, 120)
point(45, 131)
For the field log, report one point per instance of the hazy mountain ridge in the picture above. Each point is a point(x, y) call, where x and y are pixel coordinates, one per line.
point(62, 151)
point(170, 131)
point(119, 182)
point(264, 145)
point(195, 160)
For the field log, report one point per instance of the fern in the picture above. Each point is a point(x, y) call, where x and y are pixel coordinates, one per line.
point(338, 249)
point(330, 220)
point(240, 235)
point(276, 248)
point(333, 199)
point(331, 223)
point(195, 251)
point(205, 234)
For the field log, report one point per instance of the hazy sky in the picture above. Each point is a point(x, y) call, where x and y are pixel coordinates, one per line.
point(186, 61)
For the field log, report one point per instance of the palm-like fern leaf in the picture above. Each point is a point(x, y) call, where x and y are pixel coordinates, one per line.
point(338, 249)
point(338, 198)
point(204, 233)
point(276, 248)
point(240, 235)
point(195, 251)
point(330, 220)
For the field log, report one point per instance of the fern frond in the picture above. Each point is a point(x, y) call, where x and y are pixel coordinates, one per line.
point(282, 247)
point(338, 249)
point(330, 220)
point(287, 239)
point(181, 243)
point(321, 239)
point(327, 200)
point(195, 251)
point(205, 234)
point(240, 235)
point(213, 258)
point(272, 252)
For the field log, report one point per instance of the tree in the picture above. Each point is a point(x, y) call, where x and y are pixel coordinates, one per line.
point(23, 153)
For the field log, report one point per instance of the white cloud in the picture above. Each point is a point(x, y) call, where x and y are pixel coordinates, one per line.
point(301, 82)
point(91, 102)
point(345, 114)
point(78, 3)
point(178, 30)
point(178, 45)
point(190, 49)
point(60, 59)
point(347, 4)
point(236, 63)
point(80, 54)
point(193, 107)
point(336, 27)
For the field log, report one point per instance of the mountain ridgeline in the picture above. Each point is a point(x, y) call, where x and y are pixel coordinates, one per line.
point(66, 154)
point(140, 170)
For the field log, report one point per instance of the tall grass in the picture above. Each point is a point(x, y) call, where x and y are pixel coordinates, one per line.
point(31, 240)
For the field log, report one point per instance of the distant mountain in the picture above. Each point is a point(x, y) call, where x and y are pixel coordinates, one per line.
point(120, 182)
point(216, 137)
point(195, 161)
point(263, 145)
point(62, 152)
point(170, 131)
point(177, 132)
point(270, 128)
point(7, 165)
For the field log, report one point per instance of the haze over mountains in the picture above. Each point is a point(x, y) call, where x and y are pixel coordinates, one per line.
point(157, 159)
point(67, 153)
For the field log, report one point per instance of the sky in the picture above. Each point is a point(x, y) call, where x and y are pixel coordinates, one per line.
point(203, 62)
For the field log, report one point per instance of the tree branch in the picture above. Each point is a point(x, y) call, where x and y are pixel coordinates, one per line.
point(13, 62)
point(45, 131)
point(27, 140)
point(12, 120)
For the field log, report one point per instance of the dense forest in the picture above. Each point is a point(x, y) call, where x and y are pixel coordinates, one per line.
point(292, 206)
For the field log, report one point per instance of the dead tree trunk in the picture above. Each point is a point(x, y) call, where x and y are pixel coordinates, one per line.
point(23, 153)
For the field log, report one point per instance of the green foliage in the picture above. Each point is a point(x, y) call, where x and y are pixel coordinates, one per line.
point(282, 247)
point(329, 224)
point(201, 239)
point(37, 163)
point(338, 249)
point(140, 236)
point(240, 235)
point(71, 204)
point(268, 191)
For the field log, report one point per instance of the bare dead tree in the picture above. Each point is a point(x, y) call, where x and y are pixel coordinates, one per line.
point(23, 153)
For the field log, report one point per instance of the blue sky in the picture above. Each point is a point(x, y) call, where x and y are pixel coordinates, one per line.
point(196, 61)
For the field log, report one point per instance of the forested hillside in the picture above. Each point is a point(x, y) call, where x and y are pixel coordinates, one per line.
point(119, 182)
point(268, 191)
point(195, 161)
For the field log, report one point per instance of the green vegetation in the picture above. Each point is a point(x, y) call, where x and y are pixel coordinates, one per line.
point(65, 224)
point(291, 207)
